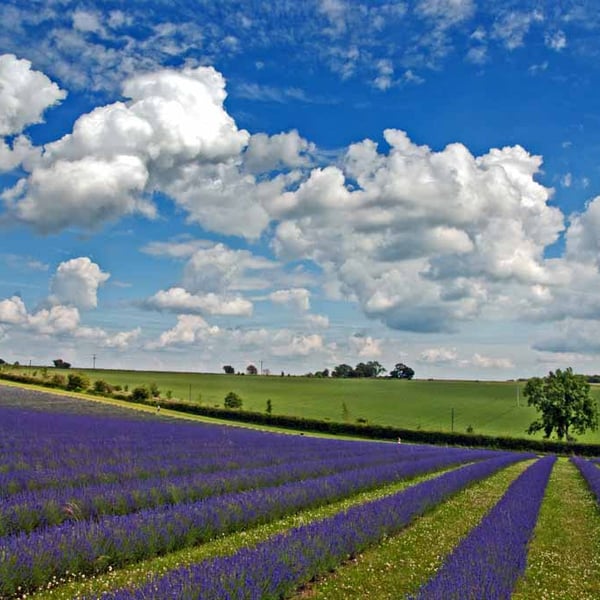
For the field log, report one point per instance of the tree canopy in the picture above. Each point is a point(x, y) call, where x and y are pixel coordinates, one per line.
point(402, 371)
point(564, 401)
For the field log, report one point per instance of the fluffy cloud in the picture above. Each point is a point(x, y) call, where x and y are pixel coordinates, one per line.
point(76, 283)
point(121, 151)
point(118, 341)
point(490, 362)
point(438, 355)
point(265, 152)
point(193, 330)
point(219, 268)
point(321, 321)
point(296, 297)
point(423, 239)
point(583, 235)
point(190, 329)
point(179, 300)
point(24, 94)
point(365, 346)
point(58, 320)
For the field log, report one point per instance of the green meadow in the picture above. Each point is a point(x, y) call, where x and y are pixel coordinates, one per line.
point(493, 408)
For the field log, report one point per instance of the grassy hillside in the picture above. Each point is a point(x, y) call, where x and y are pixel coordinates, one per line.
point(494, 408)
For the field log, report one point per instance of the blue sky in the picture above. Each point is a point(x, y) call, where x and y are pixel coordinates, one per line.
point(185, 185)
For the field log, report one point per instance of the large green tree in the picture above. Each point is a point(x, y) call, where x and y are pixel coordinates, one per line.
point(564, 402)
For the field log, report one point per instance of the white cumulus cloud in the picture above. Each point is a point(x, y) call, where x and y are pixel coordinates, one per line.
point(24, 94)
point(76, 283)
point(179, 300)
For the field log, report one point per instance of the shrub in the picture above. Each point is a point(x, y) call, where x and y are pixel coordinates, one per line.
point(77, 382)
point(154, 391)
point(232, 400)
point(58, 380)
point(102, 387)
point(140, 394)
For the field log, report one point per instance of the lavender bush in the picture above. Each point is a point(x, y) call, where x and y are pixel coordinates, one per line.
point(590, 472)
point(31, 560)
point(274, 568)
point(488, 562)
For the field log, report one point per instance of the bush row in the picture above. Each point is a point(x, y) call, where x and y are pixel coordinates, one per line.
point(366, 430)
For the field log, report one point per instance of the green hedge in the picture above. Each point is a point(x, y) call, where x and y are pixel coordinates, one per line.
point(380, 432)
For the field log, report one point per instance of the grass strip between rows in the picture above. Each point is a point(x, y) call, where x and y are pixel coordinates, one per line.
point(564, 555)
point(76, 586)
point(401, 563)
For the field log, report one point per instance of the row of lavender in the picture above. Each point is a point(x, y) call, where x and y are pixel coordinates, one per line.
point(591, 473)
point(40, 450)
point(302, 473)
point(31, 560)
point(276, 567)
point(30, 510)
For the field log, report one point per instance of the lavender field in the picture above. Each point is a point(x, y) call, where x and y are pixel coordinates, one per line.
point(97, 502)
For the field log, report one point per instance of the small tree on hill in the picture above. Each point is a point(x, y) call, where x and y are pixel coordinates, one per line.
point(251, 370)
point(564, 401)
point(232, 400)
point(229, 370)
point(77, 382)
point(59, 363)
point(402, 371)
point(140, 394)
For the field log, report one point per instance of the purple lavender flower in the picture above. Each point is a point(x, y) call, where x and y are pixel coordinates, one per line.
point(487, 563)
point(90, 546)
point(590, 472)
point(279, 565)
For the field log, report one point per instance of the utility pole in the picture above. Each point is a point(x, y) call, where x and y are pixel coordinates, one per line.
point(261, 369)
point(93, 361)
point(452, 421)
point(190, 393)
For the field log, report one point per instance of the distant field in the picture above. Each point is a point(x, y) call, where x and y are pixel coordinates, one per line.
point(494, 408)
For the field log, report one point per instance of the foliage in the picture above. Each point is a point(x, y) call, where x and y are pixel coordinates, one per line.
point(232, 400)
point(59, 363)
point(251, 370)
point(564, 401)
point(342, 371)
point(402, 371)
point(77, 382)
point(102, 387)
point(369, 369)
point(154, 391)
point(269, 406)
point(140, 393)
point(229, 370)
point(58, 380)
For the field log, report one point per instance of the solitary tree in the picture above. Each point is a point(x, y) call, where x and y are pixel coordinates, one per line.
point(229, 370)
point(251, 370)
point(565, 404)
point(232, 400)
point(402, 371)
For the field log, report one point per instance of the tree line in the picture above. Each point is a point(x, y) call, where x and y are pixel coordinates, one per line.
point(369, 369)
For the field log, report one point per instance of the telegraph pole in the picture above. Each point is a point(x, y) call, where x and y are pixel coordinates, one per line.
point(94, 361)
point(452, 421)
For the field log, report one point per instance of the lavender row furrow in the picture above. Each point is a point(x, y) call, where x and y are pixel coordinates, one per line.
point(46, 451)
point(43, 508)
point(276, 567)
point(31, 560)
point(488, 562)
point(590, 472)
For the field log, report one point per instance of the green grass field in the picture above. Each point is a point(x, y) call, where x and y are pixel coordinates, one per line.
point(494, 408)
